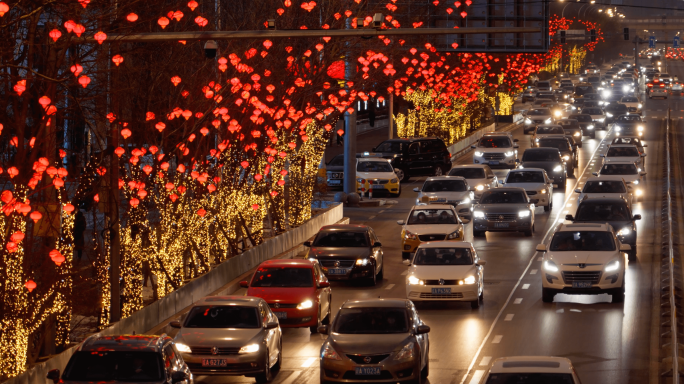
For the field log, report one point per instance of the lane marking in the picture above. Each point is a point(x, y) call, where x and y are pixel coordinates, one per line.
point(372, 217)
point(525, 286)
point(485, 361)
point(497, 339)
point(477, 375)
point(509, 317)
point(294, 376)
point(390, 286)
point(308, 362)
point(539, 258)
point(404, 273)
point(533, 272)
point(518, 300)
point(382, 211)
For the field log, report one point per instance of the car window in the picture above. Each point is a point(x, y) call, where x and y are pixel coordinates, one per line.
point(495, 142)
point(529, 378)
point(391, 147)
point(444, 186)
point(503, 197)
point(626, 140)
point(373, 166)
point(582, 241)
point(468, 173)
point(561, 144)
point(222, 316)
point(604, 186)
point(264, 313)
point(340, 239)
point(371, 320)
point(592, 111)
point(544, 155)
point(619, 169)
point(629, 99)
point(568, 123)
point(550, 130)
point(622, 152)
point(432, 216)
point(616, 108)
point(169, 357)
point(599, 211)
point(443, 256)
point(266, 277)
point(114, 365)
point(581, 118)
point(413, 149)
point(628, 118)
point(525, 177)
point(337, 161)
point(539, 112)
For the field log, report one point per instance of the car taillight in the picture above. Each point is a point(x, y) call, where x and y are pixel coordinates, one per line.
point(447, 157)
point(662, 85)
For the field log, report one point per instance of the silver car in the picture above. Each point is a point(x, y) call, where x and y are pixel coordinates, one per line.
point(453, 190)
point(375, 340)
point(231, 336)
point(503, 210)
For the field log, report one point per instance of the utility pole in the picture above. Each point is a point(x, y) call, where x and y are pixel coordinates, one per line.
point(391, 115)
point(349, 128)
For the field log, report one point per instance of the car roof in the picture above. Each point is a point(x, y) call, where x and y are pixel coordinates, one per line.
point(431, 178)
point(248, 301)
point(525, 170)
point(433, 206)
point(345, 227)
point(622, 146)
point(531, 364)
point(507, 189)
point(445, 244)
point(482, 166)
point(372, 303)
point(296, 263)
point(584, 226)
point(123, 343)
point(604, 200)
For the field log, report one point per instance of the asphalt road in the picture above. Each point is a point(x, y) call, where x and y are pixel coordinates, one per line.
point(607, 343)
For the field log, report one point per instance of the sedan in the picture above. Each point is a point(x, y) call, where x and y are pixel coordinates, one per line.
point(348, 252)
point(531, 369)
point(657, 89)
point(435, 222)
point(633, 104)
point(479, 177)
point(453, 190)
point(546, 130)
point(503, 209)
point(548, 159)
point(586, 124)
point(536, 184)
point(632, 140)
point(567, 150)
point(537, 116)
point(629, 125)
point(529, 94)
point(573, 131)
point(623, 152)
point(614, 110)
point(606, 186)
point(231, 335)
point(627, 170)
point(375, 340)
point(597, 116)
point(445, 271)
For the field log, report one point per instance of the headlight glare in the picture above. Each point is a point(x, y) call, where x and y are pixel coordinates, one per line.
point(469, 280)
point(550, 266)
point(558, 168)
point(548, 121)
point(415, 281)
point(509, 153)
point(523, 214)
point(251, 348)
point(640, 128)
point(362, 262)
point(406, 353)
point(479, 214)
point(528, 121)
point(480, 187)
point(613, 266)
point(479, 154)
point(183, 348)
point(566, 157)
point(305, 304)
point(577, 134)
point(624, 232)
point(609, 114)
point(454, 235)
point(409, 236)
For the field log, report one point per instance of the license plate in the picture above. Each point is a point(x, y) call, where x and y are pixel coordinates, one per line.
point(493, 162)
point(581, 284)
point(365, 371)
point(501, 225)
point(281, 315)
point(441, 291)
point(337, 271)
point(438, 200)
point(377, 186)
point(214, 362)
point(334, 182)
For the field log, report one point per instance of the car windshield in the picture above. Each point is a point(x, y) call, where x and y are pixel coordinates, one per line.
point(525, 177)
point(543, 84)
point(626, 140)
point(594, 79)
point(582, 241)
point(622, 152)
point(592, 111)
point(114, 366)
point(503, 197)
point(391, 146)
point(568, 123)
point(539, 112)
point(581, 118)
point(550, 130)
point(222, 317)
point(561, 144)
point(628, 118)
point(337, 161)
point(592, 96)
point(599, 211)
point(495, 142)
point(616, 108)
point(270, 277)
point(372, 320)
point(468, 173)
point(342, 239)
point(374, 166)
point(443, 256)
point(604, 186)
point(445, 186)
point(432, 216)
point(619, 169)
point(583, 88)
point(629, 99)
point(529, 378)
point(545, 155)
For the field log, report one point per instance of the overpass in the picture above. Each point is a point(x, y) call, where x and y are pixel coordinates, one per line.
point(659, 23)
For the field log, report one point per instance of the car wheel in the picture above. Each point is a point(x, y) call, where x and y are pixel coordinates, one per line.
point(314, 329)
point(528, 233)
point(373, 280)
point(405, 255)
point(632, 255)
point(401, 175)
point(618, 296)
point(547, 207)
point(593, 135)
point(475, 304)
point(425, 371)
point(265, 376)
point(438, 171)
point(547, 295)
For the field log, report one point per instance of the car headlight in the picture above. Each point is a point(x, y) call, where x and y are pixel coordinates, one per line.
point(577, 134)
point(639, 192)
point(625, 88)
point(612, 266)
point(479, 214)
point(601, 120)
point(550, 266)
point(251, 348)
point(639, 106)
point(557, 113)
point(412, 280)
point(480, 187)
point(509, 153)
point(624, 232)
point(618, 128)
point(635, 182)
point(183, 348)
point(454, 235)
point(465, 201)
point(394, 181)
point(609, 114)
point(469, 280)
point(548, 121)
point(329, 353)
point(362, 262)
point(528, 121)
point(479, 154)
point(640, 128)
point(590, 126)
point(410, 236)
point(523, 214)
point(558, 168)
point(543, 191)
point(603, 83)
point(305, 304)
point(406, 353)
point(566, 157)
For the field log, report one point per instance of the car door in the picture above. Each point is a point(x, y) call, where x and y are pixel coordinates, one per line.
point(422, 339)
point(377, 251)
point(272, 340)
point(322, 293)
point(492, 180)
point(414, 164)
point(426, 161)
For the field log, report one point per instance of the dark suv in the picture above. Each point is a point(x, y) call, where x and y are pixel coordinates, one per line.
point(548, 159)
point(125, 358)
point(416, 156)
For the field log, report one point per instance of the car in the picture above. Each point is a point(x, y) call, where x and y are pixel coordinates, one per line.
point(626, 64)
point(566, 92)
point(548, 159)
point(445, 271)
point(415, 156)
point(348, 252)
point(632, 103)
point(597, 116)
point(531, 369)
point(676, 88)
point(613, 110)
point(545, 130)
point(566, 82)
point(633, 140)
point(623, 152)
point(586, 124)
point(573, 131)
point(665, 78)
point(613, 211)
point(551, 95)
point(505, 209)
point(537, 116)
point(529, 94)
point(595, 81)
point(375, 175)
point(535, 182)
point(297, 289)
point(619, 86)
point(567, 150)
point(375, 340)
point(592, 69)
point(544, 86)
point(125, 359)
point(577, 102)
point(231, 336)
point(452, 190)
point(591, 96)
point(479, 177)
point(592, 104)
point(628, 170)
point(583, 259)
point(657, 89)
point(606, 186)
point(334, 172)
point(582, 89)
point(544, 102)
point(434, 222)
point(496, 150)
point(629, 125)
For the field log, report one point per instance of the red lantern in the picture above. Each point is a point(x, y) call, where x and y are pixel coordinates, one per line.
point(17, 237)
point(163, 22)
point(160, 126)
point(201, 212)
point(132, 17)
point(30, 285)
point(175, 80)
point(4, 8)
point(173, 197)
point(118, 59)
point(100, 37)
point(44, 101)
point(12, 247)
point(78, 29)
point(20, 87)
point(255, 207)
point(134, 202)
point(192, 5)
point(36, 216)
point(55, 34)
point(56, 257)
point(84, 81)
point(68, 208)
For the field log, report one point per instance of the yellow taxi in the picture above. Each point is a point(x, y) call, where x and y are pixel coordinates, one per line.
point(375, 174)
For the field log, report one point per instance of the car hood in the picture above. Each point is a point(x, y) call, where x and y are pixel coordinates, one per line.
point(348, 253)
point(494, 150)
point(617, 225)
point(581, 257)
point(622, 158)
point(433, 272)
point(288, 295)
point(602, 195)
point(422, 229)
point(545, 165)
point(217, 337)
point(597, 116)
point(444, 196)
point(528, 186)
point(501, 208)
point(362, 344)
point(376, 175)
point(334, 168)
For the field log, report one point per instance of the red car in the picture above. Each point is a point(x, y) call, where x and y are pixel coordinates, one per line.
point(296, 290)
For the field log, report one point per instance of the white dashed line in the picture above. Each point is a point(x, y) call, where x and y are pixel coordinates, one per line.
point(477, 375)
point(372, 217)
point(497, 339)
point(390, 286)
point(526, 286)
point(294, 376)
point(533, 272)
point(509, 317)
point(382, 211)
point(308, 362)
point(575, 310)
point(518, 300)
point(485, 361)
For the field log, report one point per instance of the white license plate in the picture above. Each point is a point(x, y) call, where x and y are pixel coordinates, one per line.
point(441, 291)
point(493, 162)
point(281, 315)
point(581, 284)
point(501, 225)
point(367, 371)
point(337, 271)
point(334, 182)
point(214, 362)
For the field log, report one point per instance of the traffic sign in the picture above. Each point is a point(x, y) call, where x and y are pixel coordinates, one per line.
point(675, 43)
point(651, 41)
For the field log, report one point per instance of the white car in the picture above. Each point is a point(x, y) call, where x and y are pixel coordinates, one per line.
point(584, 259)
point(445, 271)
point(623, 152)
point(536, 184)
point(376, 174)
point(546, 131)
point(480, 177)
point(496, 150)
point(632, 103)
point(657, 90)
point(452, 190)
point(531, 369)
point(606, 186)
point(597, 116)
point(434, 222)
point(628, 171)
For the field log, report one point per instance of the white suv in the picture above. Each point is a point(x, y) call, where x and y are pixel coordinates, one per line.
point(531, 369)
point(496, 149)
point(584, 259)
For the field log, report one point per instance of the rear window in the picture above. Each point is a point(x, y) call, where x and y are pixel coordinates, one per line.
point(543, 84)
point(468, 173)
point(603, 212)
point(525, 177)
point(432, 216)
point(341, 239)
point(617, 108)
point(374, 166)
point(392, 146)
point(371, 320)
point(222, 317)
point(546, 155)
point(581, 118)
point(539, 112)
point(550, 130)
point(280, 277)
point(114, 366)
point(337, 161)
point(629, 100)
point(607, 186)
point(619, 169)
point(495, 142)
point(561, 144)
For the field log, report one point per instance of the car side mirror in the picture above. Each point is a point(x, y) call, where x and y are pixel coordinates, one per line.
point(645, 145)
point(244, 284)
point(271, 325)
point(481, 263)
point(175, 324)
point(625, 247)
point(406, 262)
point(422, 329)
point(602, 155)
point(53, 375)
point(324, 284)
point(400, 222)
point(594, 173)
point(517, 161)
point(515, 140)
point(578, 190)
point(473, 146)
point(636, 217)
point(516, 146)
point(307, 244)
point(178, 376)
point(569, 217)
point(323, 329)
point(490, 176)
point(643, 155)
point(642, 173)
point(377, 244)
point(541, 248)
point(416, 189)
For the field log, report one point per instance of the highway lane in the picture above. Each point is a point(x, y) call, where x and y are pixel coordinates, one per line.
point(607, 342)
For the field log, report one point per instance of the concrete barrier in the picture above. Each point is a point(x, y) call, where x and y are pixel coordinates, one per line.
point(464, 144)
point(155, 313)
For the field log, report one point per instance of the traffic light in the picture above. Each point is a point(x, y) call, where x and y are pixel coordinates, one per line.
point(593, 35)
point(626, 31)
point(562, 36)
